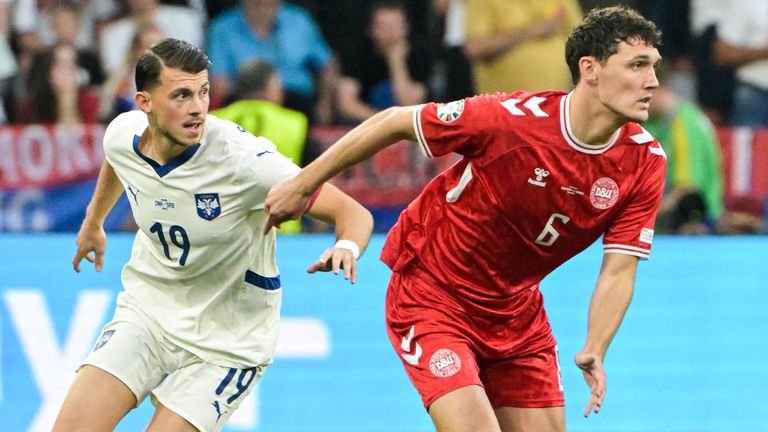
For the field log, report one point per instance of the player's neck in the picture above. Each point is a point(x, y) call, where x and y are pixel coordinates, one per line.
point(158, 147)
point(591, 122)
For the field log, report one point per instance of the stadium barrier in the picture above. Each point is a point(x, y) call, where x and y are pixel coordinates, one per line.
point(690, 355)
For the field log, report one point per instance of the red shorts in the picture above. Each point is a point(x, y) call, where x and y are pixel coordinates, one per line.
point(443, 349)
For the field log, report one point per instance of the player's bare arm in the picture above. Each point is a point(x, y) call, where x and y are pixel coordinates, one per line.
point(91, 239)
point(610, 301)
point(354, 224)
point(289, 199)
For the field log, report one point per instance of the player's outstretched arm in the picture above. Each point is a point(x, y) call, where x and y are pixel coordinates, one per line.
point(91, 239)
point(610, 301)
point(353, 231)
point(289, 199)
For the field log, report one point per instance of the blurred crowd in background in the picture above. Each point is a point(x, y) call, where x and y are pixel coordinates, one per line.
point(284, 68)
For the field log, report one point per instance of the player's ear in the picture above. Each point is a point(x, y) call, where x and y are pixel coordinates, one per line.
point(144, 101)
point(588, 66)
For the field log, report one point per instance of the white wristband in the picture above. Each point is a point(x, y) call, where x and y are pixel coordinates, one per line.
point(349, 245)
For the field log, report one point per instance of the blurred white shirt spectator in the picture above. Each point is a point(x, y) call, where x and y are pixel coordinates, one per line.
point(174, 21)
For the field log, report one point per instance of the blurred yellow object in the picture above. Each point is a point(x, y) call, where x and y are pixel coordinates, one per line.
point(286, 128)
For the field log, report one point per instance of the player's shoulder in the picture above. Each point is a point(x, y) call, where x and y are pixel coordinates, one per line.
point(234, 139)
point(636, 135)
point(125, 125)
point(523, 104)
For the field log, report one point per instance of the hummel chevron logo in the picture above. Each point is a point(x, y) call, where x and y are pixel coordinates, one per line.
point(532, 104)
point(658, 151)
point(642, 138)
point(411, 359)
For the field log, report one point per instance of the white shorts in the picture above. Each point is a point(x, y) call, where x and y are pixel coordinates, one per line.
point(133, 349)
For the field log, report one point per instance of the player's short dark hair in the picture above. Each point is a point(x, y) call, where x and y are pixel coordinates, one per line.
point(601, 32)
point(171, 53)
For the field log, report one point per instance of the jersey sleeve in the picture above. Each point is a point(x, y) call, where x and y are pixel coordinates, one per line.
point(459, 126)
point(120, 135)
point(261, 166)
point(631, 233)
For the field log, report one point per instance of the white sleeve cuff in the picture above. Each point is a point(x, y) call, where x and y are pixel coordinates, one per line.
point(420, 132)
point(641, 253)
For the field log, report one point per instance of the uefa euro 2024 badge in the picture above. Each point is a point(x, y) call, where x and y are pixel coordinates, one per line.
point(451, 111)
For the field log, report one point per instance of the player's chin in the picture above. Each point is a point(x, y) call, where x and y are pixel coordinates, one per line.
point(187, 138)
point(638, 116)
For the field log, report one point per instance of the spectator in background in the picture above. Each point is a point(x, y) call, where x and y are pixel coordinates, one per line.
point(388, 69)
point(7, 60)
point(66, 24)
point(457, 70)
point(673, 17)
point(283, 35)
point(693, 196)
point(514, 45)
point(119, 91)
point(177, 22)
point(693, 193)
point(259, 110)
point(742, 44)
point(56, 92)
point(714, 83)
point(34, 27)
point(43, 26)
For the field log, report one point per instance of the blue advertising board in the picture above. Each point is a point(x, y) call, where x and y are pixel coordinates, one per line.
point(690, 356)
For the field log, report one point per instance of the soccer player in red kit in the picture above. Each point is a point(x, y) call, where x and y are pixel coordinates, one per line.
point(543, 176)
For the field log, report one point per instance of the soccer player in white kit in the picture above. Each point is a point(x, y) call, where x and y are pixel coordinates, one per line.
point(196, 325)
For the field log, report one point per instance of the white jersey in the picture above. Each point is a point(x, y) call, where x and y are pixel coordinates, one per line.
point(200, 266)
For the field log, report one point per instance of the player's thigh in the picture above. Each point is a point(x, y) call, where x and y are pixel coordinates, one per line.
point(465, 409)
point(203, 394)
point(97, 401)
point(165, 420)
point(526, 391)
point(531, 419)
point(436, 357)
point(116, 376)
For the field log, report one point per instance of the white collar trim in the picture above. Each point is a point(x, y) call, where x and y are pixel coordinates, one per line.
point(570, 138)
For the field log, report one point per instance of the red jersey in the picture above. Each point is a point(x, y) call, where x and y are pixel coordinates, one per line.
point(526, 197)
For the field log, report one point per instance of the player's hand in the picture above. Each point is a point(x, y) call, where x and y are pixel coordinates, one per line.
point(284, 202)
point(594, 374)
point(335, 259)
point(91, 244)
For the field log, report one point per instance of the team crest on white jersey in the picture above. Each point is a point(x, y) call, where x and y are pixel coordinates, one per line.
point(208, 205)
point(444, 363)
point(604, 193)
point(451, 111)
point(540, 175)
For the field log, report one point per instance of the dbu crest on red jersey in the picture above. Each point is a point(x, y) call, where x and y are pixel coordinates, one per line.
point(444, 363)
point(450, 111)
point(604, 193)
